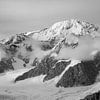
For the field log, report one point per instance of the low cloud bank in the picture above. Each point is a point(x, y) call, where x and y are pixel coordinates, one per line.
point(83, 51)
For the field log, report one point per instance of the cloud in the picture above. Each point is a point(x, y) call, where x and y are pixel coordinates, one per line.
point(83, 51)
point(36, 52)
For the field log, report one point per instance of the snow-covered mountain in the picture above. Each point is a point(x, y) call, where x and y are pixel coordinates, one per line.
point(67, 53)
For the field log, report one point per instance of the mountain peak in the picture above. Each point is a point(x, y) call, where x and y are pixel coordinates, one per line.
point(63, 28)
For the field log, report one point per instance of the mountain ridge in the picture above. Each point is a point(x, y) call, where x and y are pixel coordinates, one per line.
point(42, 50)
point(67, 54)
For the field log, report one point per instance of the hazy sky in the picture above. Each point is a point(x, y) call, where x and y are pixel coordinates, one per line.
point(26, 15)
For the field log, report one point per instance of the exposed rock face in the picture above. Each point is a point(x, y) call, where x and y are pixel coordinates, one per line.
point(48, 67)
point(94, 96)
point(5, 64)
point(83, 73)
point(57, 70)
point(97, 60)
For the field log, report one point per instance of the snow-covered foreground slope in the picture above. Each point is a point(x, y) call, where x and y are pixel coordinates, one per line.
point(34, 89)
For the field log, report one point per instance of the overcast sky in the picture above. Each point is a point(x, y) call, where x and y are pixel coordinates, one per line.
point(27, 15)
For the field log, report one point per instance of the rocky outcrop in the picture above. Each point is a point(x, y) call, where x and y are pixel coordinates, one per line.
point(57, 70)
point(48, 66)
point(84, 74)
point(94, 96)
point(97, 60)
point(41, 68)
point(5, 65)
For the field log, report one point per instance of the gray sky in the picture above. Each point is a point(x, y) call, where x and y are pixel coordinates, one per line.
point(26, 15)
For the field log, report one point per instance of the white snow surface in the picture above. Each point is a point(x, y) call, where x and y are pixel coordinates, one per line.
point(34, 89)
point(63, 28)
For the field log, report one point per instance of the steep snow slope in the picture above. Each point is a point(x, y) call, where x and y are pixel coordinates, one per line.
point(34, 89)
